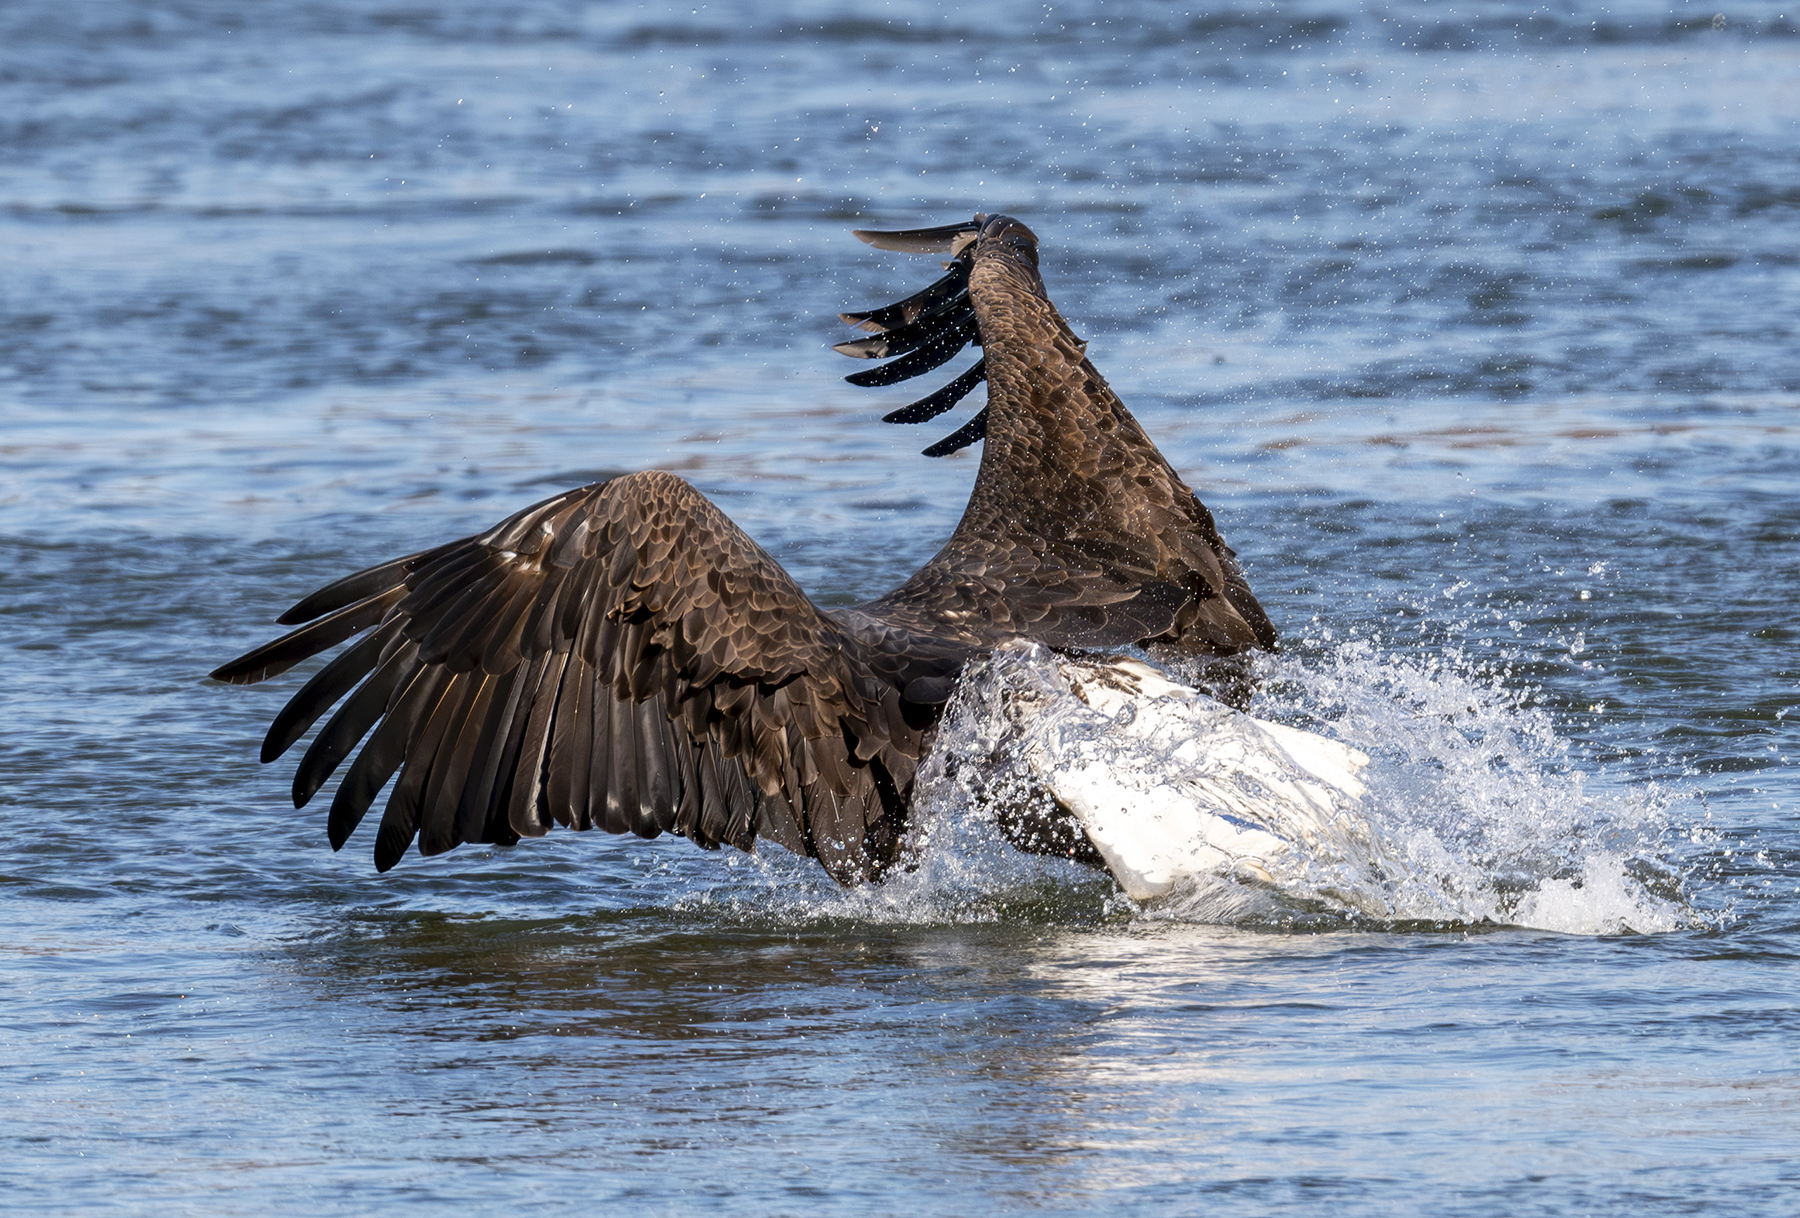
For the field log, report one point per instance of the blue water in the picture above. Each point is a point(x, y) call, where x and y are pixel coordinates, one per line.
point(1474, 323)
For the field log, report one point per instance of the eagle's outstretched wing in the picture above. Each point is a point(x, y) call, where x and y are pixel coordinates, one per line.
point(623, 656)
point(619, 656)
point(1078, 532)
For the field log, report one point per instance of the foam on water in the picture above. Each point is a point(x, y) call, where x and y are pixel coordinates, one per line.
point(961, 873)
point(1474, 815)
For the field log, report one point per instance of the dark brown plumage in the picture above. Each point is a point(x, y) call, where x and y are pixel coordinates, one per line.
point(622, 656)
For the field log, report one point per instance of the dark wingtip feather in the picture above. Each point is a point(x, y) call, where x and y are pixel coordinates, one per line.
point(342, 820)
point(944, 239)
point(360, 585)
point(345, 591)
point(926, 300)
point(274, 658)
point(399, 826)
point(939, 351)
point(962, 437)
point(928, 408)
point(321, 693)
point(235, 673)
point(937, 324)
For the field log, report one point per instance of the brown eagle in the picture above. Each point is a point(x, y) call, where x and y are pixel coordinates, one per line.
point(622, 656)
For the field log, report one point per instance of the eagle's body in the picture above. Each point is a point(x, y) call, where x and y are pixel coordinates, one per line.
point(623, 656)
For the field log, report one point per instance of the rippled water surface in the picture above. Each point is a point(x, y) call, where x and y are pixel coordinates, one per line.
point(1475, 324)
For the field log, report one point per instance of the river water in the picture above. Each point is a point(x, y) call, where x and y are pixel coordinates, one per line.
point(1474, 324)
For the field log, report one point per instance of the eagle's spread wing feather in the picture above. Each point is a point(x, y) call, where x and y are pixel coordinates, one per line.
point(620, 656)
point(1078, 532)
point(623, 656)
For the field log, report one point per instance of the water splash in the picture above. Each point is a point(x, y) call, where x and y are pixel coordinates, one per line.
point(961, 873)
point(1473, 815)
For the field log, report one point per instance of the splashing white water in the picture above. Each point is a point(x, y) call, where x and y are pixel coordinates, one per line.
point(1472, 812)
